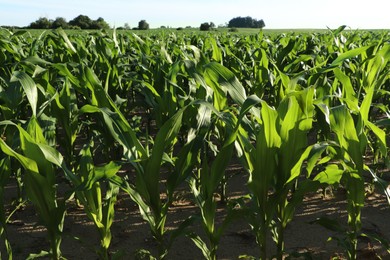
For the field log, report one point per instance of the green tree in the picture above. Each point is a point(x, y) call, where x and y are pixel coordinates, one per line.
point(143, 25)
point(60, 22)
point(246, 22)
point(207, 26)
point(82, 21)
point(99, 24)
point(41, 23)
point(260, 24)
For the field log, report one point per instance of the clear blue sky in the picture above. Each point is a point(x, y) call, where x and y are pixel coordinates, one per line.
point(356, 14)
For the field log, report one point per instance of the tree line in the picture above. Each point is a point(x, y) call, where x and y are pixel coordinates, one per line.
point(79, 22)
point(84, 22)
point(237, 22)
point(246, 22)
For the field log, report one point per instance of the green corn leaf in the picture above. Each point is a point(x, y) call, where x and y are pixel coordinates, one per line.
point(330, 224)
point(331, 175)
point(338, 30)
point(349, 92)
point(348, 55)
point(69, 45)
point(315, 155)
point(226, 79)
point(64, 71)
point(293, 135)
point(122, 133)
point(268, 141)
point(383, 122)
point(221, 162)
point(366, 104)
point(376, 65)
point(107, 171)
point(136, 197)
point(355, 198)
point(99, 96)
point(296, 170)
point(35, 130)
point(249, 104)
point(164, 138)
point(200, 244)
point(380, 134)
point(27, 163)
point(297, 198)
point(29, 88)
point(5, 172)
point(98, 173)
point(217, 54)
point(40, 188)
point(343, 125)
point(40, 254)
point(383, 185)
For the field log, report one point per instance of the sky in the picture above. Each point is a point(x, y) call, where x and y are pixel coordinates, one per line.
point(277, 14)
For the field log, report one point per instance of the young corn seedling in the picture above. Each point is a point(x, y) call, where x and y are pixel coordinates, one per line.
point(5, 172)
point(211, 174)
point(352, 142)
point(146, 191)
point(99, 208)
point(40, 177)
point(40, 182)
point(274, 164)
point(204, 187)
point(352, 125)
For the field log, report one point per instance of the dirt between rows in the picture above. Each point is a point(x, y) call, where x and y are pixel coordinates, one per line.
point(131, 233)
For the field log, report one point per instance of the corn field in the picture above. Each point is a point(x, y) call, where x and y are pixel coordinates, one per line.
point(86, 118)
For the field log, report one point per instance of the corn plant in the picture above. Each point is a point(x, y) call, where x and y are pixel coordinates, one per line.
point(146, 191)
point(222, 83)
point(37, 158)
point(211, 174)
point(99, 208)
point(5, 172)
point(40, 180)
point(352, 136)
point(204, 187)
point(273, 163)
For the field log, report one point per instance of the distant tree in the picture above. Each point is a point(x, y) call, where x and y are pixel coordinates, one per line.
point(82, 21)
point(11, 27)
point(260, 24)
point(60, 22)
point(246, 22)
point(127, 26)
point(143, 25)
point(41, 23)
point(207, 26)
point(99, 24)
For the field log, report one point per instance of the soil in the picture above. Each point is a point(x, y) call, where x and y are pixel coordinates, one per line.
point(131, 233)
